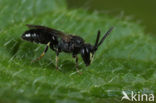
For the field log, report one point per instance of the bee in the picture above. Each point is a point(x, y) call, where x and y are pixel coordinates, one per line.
point(62, 42)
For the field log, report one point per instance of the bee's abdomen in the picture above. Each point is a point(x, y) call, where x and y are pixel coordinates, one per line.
point(37, 35)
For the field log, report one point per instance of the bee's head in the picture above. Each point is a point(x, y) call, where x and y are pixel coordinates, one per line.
point(87, 52)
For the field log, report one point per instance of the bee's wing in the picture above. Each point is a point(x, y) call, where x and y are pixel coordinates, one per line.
point(53, 31)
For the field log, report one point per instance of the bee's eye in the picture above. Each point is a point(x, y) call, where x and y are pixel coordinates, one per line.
point(87, 51)
point(53, 37)
point(83, 51)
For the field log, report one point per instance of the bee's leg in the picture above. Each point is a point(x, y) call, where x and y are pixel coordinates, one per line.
point(76, 61)
point(57, 53)
point(45, 50)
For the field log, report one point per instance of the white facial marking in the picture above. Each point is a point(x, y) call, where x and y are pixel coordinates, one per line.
point(91, 57)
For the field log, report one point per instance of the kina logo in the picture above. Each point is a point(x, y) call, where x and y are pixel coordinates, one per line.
point(137, 96)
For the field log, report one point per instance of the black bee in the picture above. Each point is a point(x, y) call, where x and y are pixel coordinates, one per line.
point(60, 42)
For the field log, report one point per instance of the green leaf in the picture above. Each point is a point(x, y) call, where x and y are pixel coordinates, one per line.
point(125, 61)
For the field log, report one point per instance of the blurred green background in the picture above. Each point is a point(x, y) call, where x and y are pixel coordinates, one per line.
point(139, 11)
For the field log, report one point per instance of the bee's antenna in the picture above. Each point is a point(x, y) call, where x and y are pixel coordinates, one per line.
point(97, 40)
point(104, 37)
